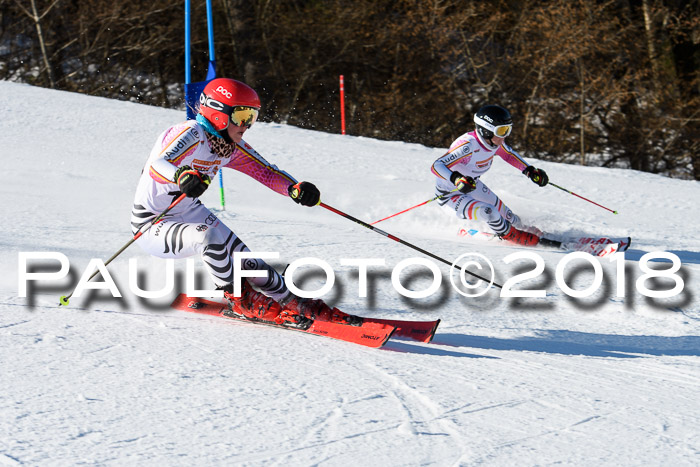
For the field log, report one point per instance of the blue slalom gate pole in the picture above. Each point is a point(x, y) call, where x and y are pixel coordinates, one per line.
point(193, 90)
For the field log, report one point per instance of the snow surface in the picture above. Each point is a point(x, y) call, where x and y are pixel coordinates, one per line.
point(603, 380)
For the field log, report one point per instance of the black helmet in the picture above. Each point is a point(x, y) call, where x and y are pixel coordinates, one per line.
point(493, 119)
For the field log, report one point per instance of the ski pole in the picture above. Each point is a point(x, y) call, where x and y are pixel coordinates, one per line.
point(585, 199)
point(416, 206)
point(396, 239)
point(221, 189)
point(65, 298)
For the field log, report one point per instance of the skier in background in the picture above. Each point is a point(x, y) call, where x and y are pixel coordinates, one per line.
point(184, 159)
point(469, 157)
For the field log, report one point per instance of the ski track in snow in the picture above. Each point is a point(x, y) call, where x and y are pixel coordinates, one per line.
point(602, 380)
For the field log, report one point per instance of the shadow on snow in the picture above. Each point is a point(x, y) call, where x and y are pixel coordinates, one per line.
point(564, 342)
point(686, 257)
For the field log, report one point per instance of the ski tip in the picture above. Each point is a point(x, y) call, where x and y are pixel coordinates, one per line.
point(388, 336)
point(626, 245)
point(432, 331)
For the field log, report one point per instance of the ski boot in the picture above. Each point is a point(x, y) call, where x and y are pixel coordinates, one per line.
point(520, 237)
point(256, 306)
point(316, 309)
point(293, 319)
point(532, 230)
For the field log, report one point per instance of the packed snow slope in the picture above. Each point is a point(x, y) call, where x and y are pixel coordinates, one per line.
point(608, 379)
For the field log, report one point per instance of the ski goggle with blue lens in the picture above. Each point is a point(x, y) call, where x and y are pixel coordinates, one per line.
point(501, 130)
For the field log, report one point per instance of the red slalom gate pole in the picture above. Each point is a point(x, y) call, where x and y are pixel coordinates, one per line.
point(64, 299)
point(403, 242)
point(342, 105)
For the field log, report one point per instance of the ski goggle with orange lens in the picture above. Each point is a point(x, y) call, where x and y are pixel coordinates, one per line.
point(501, 130)
point(239, 115)
point(244, 116)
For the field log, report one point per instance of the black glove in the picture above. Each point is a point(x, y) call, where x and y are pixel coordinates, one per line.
point(305, 193)
point(191, 182)
point(465, 184)
point(538, 176)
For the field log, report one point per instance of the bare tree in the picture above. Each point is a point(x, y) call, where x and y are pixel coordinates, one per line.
point(608, 83)
point(37, 19)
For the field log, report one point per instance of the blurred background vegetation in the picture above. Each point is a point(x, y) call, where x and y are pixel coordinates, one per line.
point(603, 83)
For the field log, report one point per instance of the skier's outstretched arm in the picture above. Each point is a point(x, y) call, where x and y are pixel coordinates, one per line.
point(249, 162)
point(538, 176)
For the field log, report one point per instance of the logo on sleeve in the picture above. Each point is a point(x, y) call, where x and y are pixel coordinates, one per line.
point(179, 146)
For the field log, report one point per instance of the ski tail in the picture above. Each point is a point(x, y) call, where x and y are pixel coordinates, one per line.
point(198, 305)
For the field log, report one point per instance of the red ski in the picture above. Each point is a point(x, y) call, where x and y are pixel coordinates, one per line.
point(422, 331)
point(370, 334)
point(596, 246)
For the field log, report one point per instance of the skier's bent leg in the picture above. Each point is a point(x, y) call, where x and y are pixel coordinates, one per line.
point(469, 208)
point(507, 227)
point(200, 232)
point(220, 245)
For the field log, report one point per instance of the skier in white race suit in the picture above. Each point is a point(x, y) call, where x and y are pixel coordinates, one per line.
point(184, 159)
point(469, 157)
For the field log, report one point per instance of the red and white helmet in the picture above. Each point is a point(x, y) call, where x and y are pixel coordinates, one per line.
point(226, 100)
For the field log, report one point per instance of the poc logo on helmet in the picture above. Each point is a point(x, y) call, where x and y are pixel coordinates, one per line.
point(224, 91)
